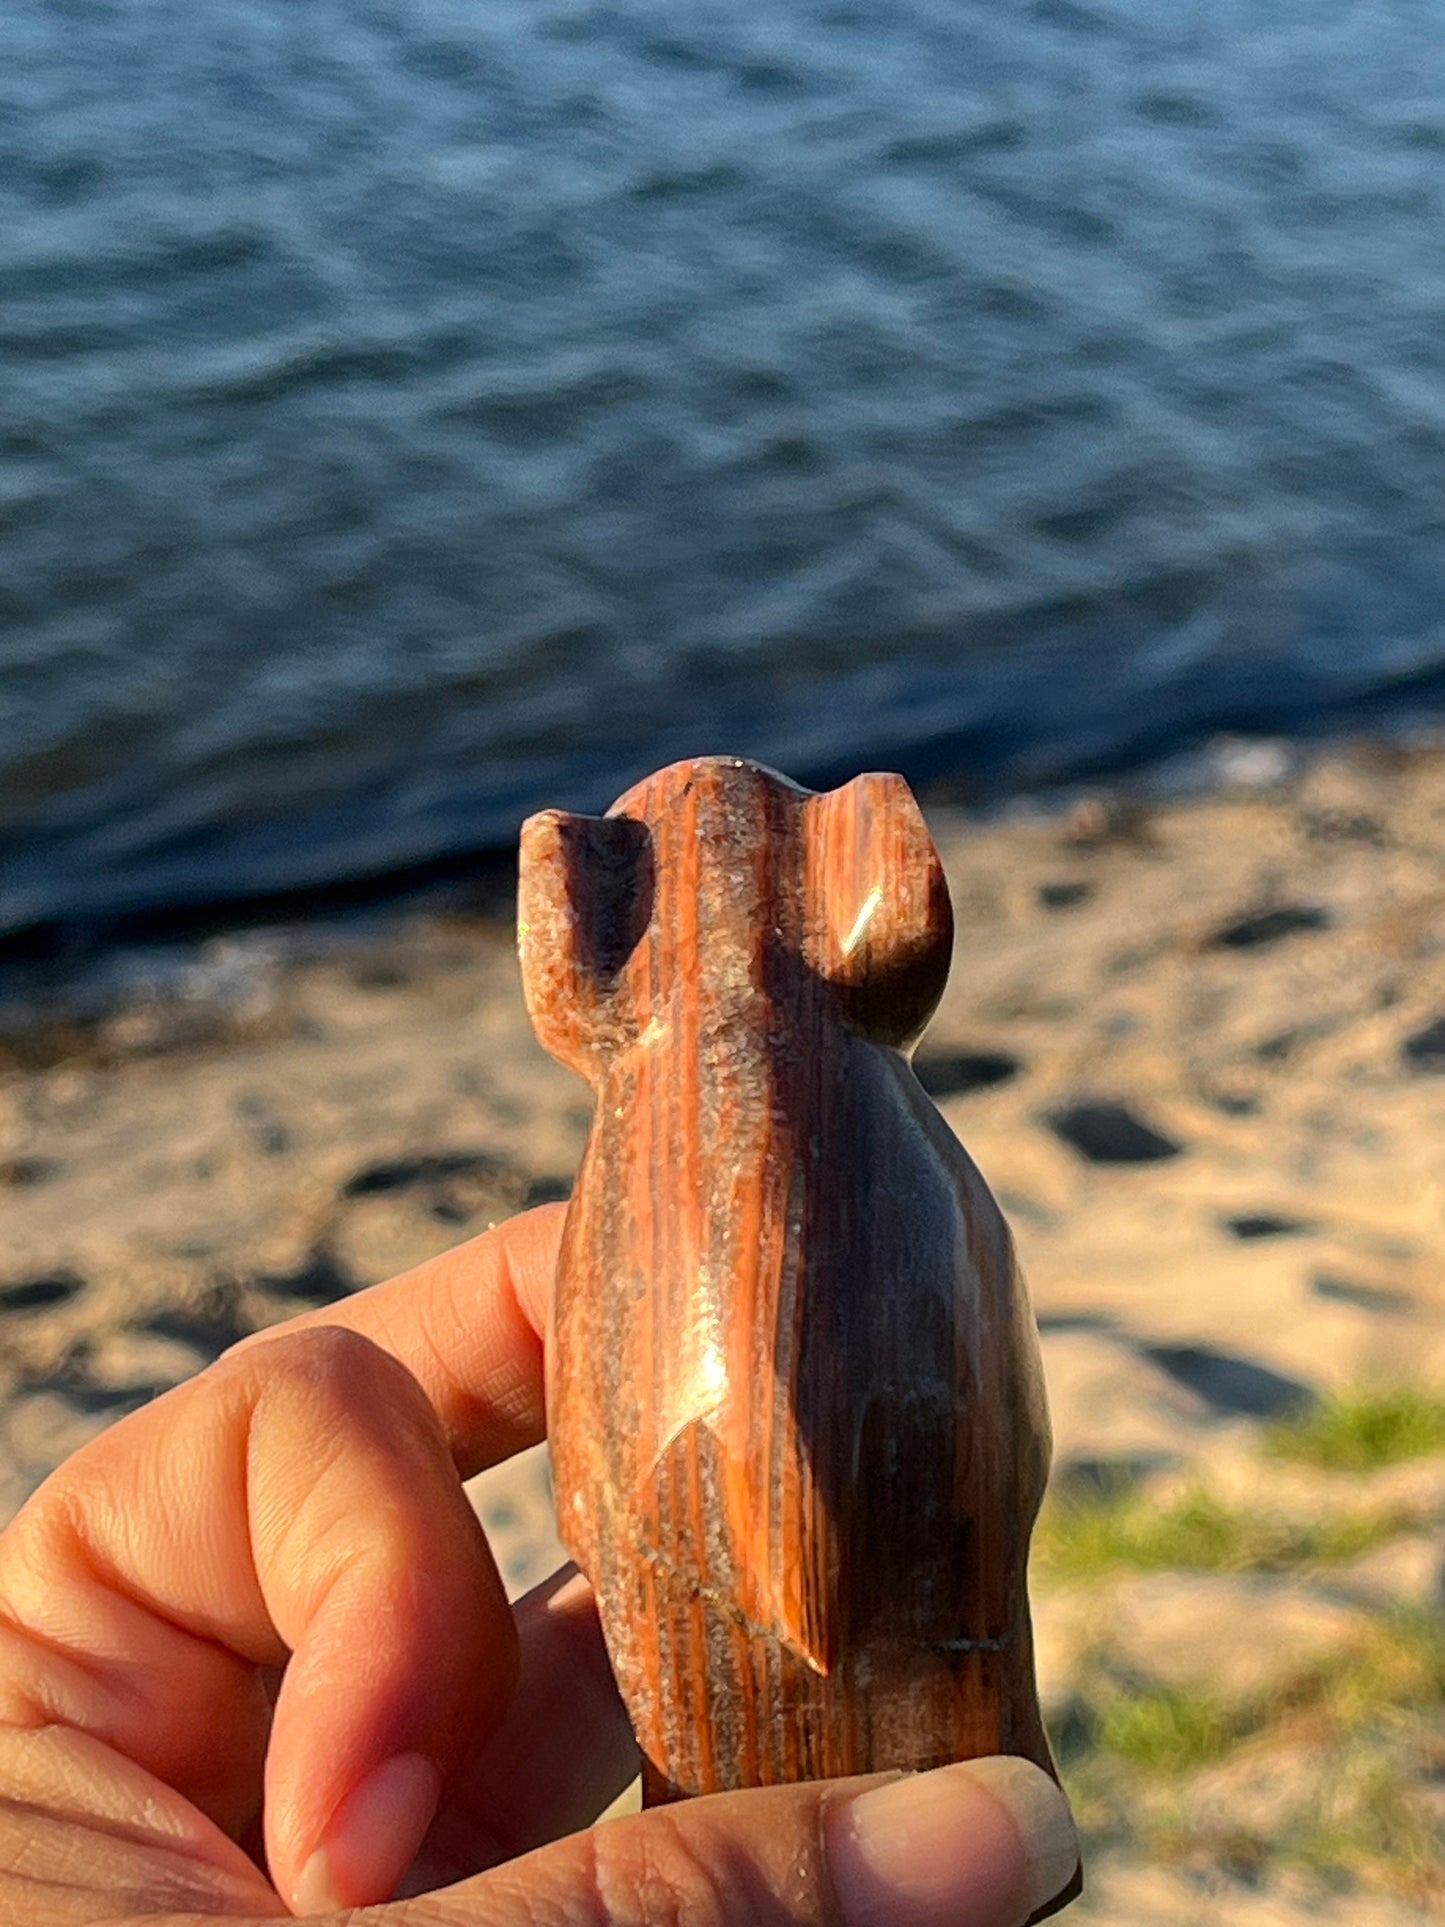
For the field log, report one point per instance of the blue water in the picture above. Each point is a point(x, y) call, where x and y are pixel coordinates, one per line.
point(412, 411)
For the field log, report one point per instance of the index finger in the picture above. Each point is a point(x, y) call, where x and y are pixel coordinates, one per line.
point(468, 1326)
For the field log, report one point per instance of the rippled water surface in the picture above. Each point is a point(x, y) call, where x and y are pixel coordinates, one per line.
point(411, 411)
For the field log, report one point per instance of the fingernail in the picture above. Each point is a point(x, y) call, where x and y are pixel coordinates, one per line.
point(372, 1839)
point(982, 1844)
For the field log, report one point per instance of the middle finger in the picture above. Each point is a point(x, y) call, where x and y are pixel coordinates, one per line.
point(563, 1752)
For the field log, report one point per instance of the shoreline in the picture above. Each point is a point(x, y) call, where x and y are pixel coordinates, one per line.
point(77, 965)
point(1157, 981)
point(1169, 1012)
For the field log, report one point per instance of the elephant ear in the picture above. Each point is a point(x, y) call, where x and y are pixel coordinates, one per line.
point(584, 901)
point(880, 912)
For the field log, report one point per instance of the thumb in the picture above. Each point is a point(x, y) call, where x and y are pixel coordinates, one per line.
point(987, 1843)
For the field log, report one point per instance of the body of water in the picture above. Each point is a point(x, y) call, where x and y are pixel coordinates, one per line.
point(414, 411)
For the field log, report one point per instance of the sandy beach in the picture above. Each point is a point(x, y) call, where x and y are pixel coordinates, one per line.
point(1196, 1045)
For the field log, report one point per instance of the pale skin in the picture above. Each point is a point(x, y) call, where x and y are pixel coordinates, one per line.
point(224, 1615)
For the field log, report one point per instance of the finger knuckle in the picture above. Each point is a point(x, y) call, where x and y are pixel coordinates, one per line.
point(319, 1352)
point(654, 1870)
point(328, 1363)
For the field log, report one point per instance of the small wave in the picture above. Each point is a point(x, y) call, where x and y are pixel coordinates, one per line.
point(545, 408)
point(948, 146)
point(687, 183)
point(273, 371)
point(88, 266)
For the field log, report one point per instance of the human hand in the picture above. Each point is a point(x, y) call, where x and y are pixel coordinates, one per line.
point(256, 1622)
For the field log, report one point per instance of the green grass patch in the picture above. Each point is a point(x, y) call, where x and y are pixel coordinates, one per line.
point(1197, 1532)
point(1361, 1744)
point(1397, 1677)
point(1165, 1731)
point(1372, 1825)
point(1358, 1431)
